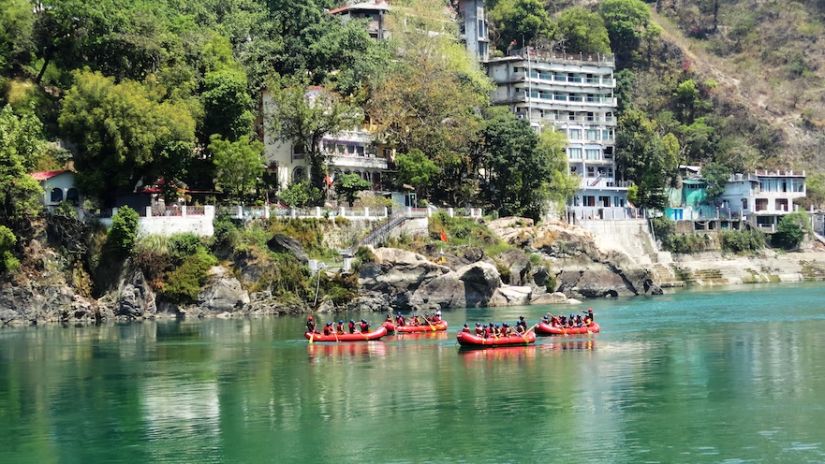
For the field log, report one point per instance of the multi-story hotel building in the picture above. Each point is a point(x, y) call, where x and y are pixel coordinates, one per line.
point(573, 94)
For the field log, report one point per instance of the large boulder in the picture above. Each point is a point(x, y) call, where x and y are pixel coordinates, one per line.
point(549, 298)
point(397, 274)
point(511, 295)
point(518, 267)
point(222, 292)
point(469, 286)
point(281, 243)
point(135, 298)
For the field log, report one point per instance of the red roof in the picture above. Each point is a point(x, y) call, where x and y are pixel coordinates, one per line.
point(46, 175)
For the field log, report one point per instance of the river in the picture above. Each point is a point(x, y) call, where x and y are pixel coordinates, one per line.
point(724, 376)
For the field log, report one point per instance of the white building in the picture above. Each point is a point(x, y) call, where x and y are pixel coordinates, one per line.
point(764, 196)
point(574, 94)
point(348, 151)
point(58, 186)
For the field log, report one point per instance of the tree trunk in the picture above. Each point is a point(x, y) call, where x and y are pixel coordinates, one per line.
point(42, 69)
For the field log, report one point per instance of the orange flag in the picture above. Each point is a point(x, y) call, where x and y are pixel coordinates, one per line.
point(443, 235)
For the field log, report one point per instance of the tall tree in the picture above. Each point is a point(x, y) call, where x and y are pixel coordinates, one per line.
point(304, 115)
point(347, 186)
point(123, 134)
point(583, 31)
point(239, 165)
point(628, 24)
point(16, 44)
point(227, 104)
point(20, 194)
point(520, 22)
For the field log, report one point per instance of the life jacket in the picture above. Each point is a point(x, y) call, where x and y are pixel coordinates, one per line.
point(365, 327)
point(352, 327)
point(479, 331)
point(340, 328)
point(327, 330)
point(466, 329)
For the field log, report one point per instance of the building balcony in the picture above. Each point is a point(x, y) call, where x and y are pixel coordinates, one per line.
point(560, 103)
point(370, 162)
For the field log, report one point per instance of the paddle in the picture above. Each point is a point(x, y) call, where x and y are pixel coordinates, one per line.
point(524, 334)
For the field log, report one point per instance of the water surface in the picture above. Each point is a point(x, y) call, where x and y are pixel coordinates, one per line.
point(696, 377)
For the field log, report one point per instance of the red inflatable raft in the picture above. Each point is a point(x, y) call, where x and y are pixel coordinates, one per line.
point(472, 341)
point(440, 326)
point(547, 329)
point(356, 337)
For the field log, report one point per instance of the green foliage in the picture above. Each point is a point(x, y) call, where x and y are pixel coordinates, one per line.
point(792, 230)
point(309, 233)
point(300, 194)
point(365, 255)
point(183, 284)
point(716, 175)
point(463, 232)
point(646, 158)
point(348, 186)
point(665, 230)
point(183, 245)
point(123, 133)
point(8, 262)
point(152, 256)
point(20, 145)
point(742, 241)
point(522, 170)
point(239, 165)
point(227, 104)
point(16, 45)
point(417, 170)
point(521, 22)
point(123, 234)
point(628, 24)
point(583, 32)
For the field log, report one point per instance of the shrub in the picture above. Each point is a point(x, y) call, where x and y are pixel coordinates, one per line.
point(123, 234)
point(8, 262)
point(791, 230)
point(225, 232)
point(184, 283)
point(742, 241)
point(183, 245)
point(365, 255)
point(151, 254)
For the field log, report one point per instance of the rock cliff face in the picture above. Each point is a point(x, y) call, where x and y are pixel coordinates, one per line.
point(582, 268)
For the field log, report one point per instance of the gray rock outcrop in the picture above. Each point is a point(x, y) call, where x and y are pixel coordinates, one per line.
point(281, 243)
point(222, 292)
point(135, 298)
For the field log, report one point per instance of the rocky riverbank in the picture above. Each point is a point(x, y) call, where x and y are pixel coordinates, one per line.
point(549, 263)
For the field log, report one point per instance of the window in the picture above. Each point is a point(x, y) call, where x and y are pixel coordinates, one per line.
point(299, 174)
point(571, 116)
point(575, 153)
point(73, 197)
point(590, 117)
point(761, 204)
point(589, 200)
point(575, 134)
point(56, 195)
point(591, 171)
point(592, 154)
point(298, 151)
point(744, 204)
point(781, 204)
point(592, 134)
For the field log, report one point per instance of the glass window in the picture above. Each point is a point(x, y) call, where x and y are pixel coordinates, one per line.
point(575, 134)
point(56, 195)
point(575, 153)
point(592, 153)
point(592, 134)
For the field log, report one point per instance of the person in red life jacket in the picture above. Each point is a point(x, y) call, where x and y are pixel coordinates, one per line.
point(351, 326)
point(365, 327)
point(578, 320)
point(310, 324)
point(497, 330)
point(437, 317)
point(479, 330)
point(554, 321)
point(489, 331)
point(340, 328)
point(328, 328)
point(466, 328)
point(590, 314)
point(388, 319)
point(415, 321)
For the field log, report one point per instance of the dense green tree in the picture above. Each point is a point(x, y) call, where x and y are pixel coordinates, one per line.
point(123, 134)
point(583, 31)
point(417, 170)
point(646, 158)
point(303, 116)
point(347, 186)
point(239, 165)
point(227, 104)
point(20, 194)
point(300, 194)
point(520, 22)
point(520, 168)
point(8, 262)
point(628, 25)
point(16, 44)
point(716, 174)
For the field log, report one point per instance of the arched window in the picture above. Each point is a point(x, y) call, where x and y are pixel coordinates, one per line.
point(299, 174)
point(73, 197)
point(56, 195)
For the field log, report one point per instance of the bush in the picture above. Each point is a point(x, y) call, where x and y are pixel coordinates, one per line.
point(225, 232)
point(151, 254)
point(8, 262)
point(300, 194)
point(184, 245)
point(123, 234)
point(185, 282)
point(791, 230)
point(742, 241)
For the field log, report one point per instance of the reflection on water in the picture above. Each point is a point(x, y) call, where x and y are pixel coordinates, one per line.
point(692, 377)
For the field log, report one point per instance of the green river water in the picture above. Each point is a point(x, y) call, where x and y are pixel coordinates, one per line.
point(728, 376)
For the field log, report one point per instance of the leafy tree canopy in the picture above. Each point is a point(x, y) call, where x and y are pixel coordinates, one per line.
point(347, 186)
point(583, 32)
point(239, 165)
